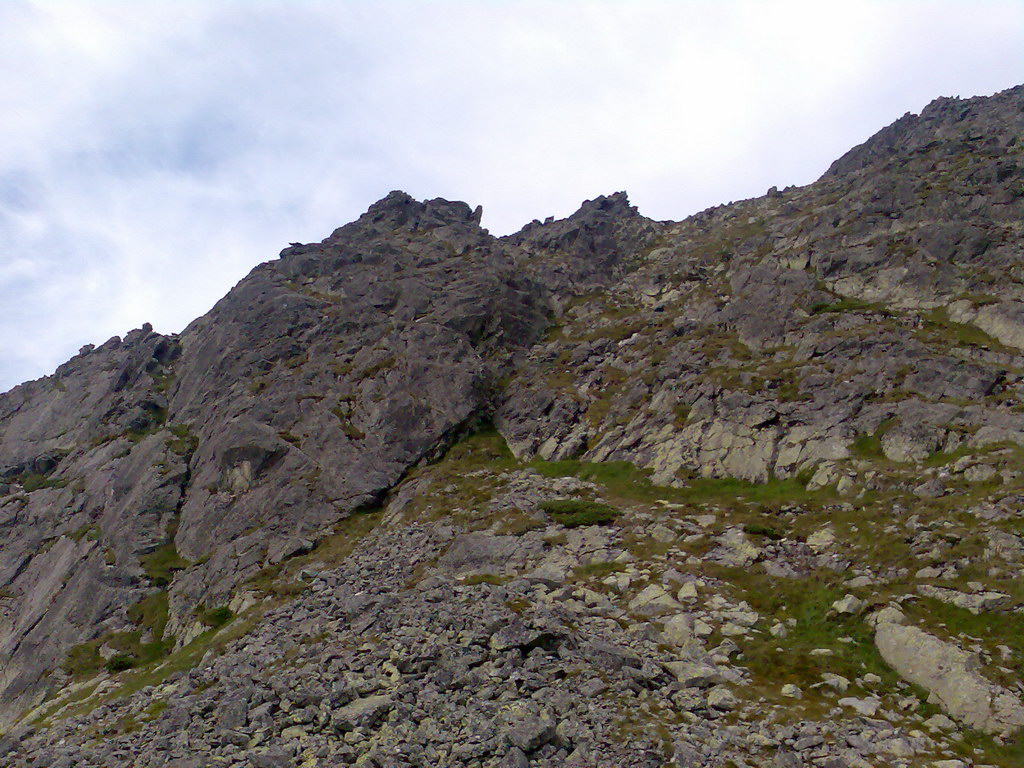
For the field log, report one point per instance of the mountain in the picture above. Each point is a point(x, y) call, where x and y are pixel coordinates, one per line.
point(744, 489)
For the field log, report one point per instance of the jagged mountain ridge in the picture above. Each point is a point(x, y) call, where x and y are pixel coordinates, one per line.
point(763, 340)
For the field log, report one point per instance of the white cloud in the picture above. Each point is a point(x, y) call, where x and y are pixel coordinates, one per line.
point(151, 153)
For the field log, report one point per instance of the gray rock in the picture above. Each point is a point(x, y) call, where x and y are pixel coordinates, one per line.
point(976, 602)
point(514, 758)
point(694, 674)
point(361, 713)
point(272, 758)
point(526, 728)
point(952, 676)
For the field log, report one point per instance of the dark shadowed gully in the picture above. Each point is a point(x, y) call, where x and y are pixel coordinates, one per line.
point(740, 490)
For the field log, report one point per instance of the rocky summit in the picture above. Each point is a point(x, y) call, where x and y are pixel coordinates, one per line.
point(741, 490)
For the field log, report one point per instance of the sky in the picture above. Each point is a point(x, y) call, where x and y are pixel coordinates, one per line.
point(152, 153)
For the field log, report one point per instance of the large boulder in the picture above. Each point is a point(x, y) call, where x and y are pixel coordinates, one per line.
point(951, 675)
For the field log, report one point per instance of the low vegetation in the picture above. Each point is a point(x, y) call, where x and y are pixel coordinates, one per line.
point(573, 513)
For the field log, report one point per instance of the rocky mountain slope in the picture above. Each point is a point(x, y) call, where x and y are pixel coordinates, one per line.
point(743, 489)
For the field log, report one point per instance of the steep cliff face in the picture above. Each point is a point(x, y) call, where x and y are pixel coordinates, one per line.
point(813, 363)
point(187, 464)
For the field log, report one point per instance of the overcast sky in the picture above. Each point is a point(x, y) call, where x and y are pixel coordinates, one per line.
point(151, 153)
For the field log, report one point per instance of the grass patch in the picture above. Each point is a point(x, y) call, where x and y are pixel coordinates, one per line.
point(518, 523)
point(767, 531)
point(157, 419)
point(181, 660)
point(214, 617)
point(151, 613)
point(725, 489)
point(161, 563)
point(120, 663)
point(941, 458)
point(869, 446)
point(162, 381)
point(183, 442)
point(939, 328)
point(380, 366)
point(620, 477)
point(681, 413)
point(573, 513)
point(992, 628)
point(484, 578)
point(775, 661)
point(626, 481)
point(845, 305)
point(87, 532)
point(483, 449)
point(33, 481)
point(351, 431)
point(150, 616)
point(145, 672)
point(1007, 755)
point(597, 570)
point(83, 659)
